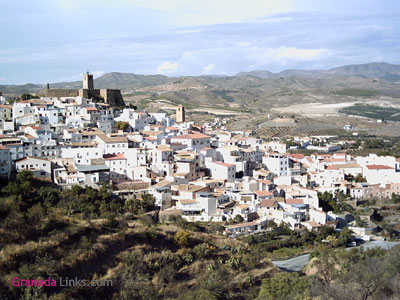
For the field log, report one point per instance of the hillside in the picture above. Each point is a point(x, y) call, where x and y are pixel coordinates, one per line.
point(253, 90)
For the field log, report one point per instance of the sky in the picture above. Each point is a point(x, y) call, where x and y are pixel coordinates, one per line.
point(58, 40)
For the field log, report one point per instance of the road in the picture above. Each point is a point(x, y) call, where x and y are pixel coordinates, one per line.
point(297, 263)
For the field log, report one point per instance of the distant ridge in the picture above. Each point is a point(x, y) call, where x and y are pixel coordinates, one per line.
point(374, 69)
point(245, 88)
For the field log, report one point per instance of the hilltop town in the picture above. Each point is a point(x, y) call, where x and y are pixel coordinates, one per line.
point(201, 173)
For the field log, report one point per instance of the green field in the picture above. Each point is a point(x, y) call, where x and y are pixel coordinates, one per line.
point(357, 92)
point(373, 112)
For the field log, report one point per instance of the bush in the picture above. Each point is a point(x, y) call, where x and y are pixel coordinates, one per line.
point(182, 238)
point(203, 250)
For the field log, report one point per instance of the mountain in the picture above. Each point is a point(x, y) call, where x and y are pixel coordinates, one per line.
point(257, 89)
point(258, 73)
point(369, 70)
point(373, 69)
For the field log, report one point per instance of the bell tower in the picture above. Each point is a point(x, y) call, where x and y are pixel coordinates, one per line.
point(87, 81)
point(180, 114)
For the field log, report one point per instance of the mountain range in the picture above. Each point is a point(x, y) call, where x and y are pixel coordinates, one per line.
point(248, 89)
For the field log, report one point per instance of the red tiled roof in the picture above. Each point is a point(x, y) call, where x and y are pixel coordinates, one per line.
point(339, 154)
point(192, 136)
point(378, 167)
point(264, 181)
point(297, 155)
point(309, 159)
point(267, 203)
point(223, 164)
point(331, 168)
point(113, 156)
point(294, 201)
point(91, 108)
point(263, 193)
point(338, 159)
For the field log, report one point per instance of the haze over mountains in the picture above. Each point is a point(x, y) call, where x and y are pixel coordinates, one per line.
point(252, 88)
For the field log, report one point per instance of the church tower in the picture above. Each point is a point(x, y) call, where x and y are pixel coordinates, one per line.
point(88, 81)
point(180, 114)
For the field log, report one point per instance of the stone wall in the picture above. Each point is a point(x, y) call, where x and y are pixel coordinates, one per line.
point(60, 93)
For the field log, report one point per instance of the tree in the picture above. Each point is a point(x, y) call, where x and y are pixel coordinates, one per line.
point(360, 178)
point(198, 294)
point(395, 198)
point(326, 265)
point(238, 219)
point(122, 125)
point(344, 236)
point(26, 97)
point(139, 206)
point(326, 201)
point(283, 286)
point(182, 238)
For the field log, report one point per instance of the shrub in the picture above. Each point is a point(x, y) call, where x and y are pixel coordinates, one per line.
point(182, 238)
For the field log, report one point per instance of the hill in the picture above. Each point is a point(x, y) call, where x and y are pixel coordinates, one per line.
point(253, 90)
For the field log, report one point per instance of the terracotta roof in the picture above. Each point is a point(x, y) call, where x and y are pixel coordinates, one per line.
point(378, 167)
point(294, 201)
point(113, 156)
point(331, 168)
point(188, 201)
point(91, 108)
point(297, 155)
point(339, 154)
point(264, 181)
point(108, 139)
point(268, 203)
point(309, 159)
point(263, 193)
point(223, 164)
point(338, 159)
point(192, 136)
point(31, 157)
point(344, 166)
point(3, 148)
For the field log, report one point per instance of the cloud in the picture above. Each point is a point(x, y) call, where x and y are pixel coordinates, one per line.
point(188, 31)
point(283, 41)
point(299, 54)
point(167, 68)
point(208, 69)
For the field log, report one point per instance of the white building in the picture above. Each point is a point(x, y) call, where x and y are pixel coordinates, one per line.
point(277, 163)
point(222, 171)
point(40, 167)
